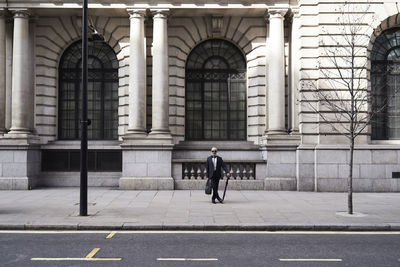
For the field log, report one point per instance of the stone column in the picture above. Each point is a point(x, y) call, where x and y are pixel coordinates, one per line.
point(295, 71)
point(9, 49)
point(146, 162)
point(137, 73)
point(276, 73)
point(2, 71)
point(22, 91)
point(160, 93)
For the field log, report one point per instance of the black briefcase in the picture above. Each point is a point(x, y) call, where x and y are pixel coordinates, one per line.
point(208, 187)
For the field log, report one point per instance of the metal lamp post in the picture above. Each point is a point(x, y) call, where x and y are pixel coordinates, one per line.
point(84, 121)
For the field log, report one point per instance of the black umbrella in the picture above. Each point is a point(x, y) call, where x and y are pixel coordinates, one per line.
point(226, 186)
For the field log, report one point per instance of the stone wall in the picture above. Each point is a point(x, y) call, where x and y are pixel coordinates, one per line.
point(53, 36)
point(19, 168)
point(249, 34)
point(325, 168)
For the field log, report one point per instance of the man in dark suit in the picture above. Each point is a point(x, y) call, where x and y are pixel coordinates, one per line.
point(213, 167)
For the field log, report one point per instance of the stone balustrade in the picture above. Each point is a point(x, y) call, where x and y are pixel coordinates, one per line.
point(238, 170)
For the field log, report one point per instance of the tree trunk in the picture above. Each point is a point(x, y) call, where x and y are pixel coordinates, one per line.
point(352, 133)
point(350, 179)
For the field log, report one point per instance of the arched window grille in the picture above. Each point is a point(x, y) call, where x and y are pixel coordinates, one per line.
point(102, 92)
point(385, 82)
point(216, 92)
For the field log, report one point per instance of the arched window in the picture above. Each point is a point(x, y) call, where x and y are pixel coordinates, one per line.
point(102, 92)
point(216, 92)
point(385, 81)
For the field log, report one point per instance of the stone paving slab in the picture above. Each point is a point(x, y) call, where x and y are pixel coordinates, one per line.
point(114, 209)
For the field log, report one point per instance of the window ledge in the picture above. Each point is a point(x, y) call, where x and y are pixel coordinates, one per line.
point(76, 144)
point(221, 145)
point(394, 144)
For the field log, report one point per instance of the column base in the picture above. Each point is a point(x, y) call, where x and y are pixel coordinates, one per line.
point(16, 130)
point(160, 134)
point(19, 138)
point(276, 132)
point(133, 134)
point(281, 139)
point(136, 132)
point(146, 183)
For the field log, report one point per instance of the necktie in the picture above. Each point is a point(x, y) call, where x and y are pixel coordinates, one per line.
point(214, 162)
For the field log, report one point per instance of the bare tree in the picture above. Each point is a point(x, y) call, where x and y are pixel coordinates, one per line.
point(341, 93)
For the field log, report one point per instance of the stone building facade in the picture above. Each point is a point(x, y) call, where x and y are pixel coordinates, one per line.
point(174, 78)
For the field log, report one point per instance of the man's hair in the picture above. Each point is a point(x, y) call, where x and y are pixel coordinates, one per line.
point(214, 148)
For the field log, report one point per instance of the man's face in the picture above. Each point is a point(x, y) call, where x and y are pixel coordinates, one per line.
point(214, 152)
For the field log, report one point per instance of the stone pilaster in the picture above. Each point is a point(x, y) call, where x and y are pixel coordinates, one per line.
point(9, 51)
point(147, 161)
point(20, 163)
point(276, 132)
point(2, 71)
point(279, 148)
point(276, 72)
point(160, 94)
point(295, 71)
point(137, 74)
point(22, 89)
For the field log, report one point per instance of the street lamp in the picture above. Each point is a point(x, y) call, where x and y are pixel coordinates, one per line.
point(85, 122)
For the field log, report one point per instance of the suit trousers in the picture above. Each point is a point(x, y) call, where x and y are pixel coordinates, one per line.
point(214, 186)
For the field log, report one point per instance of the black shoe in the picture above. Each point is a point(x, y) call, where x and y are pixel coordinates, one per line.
point(220, 200)
point(213, 201)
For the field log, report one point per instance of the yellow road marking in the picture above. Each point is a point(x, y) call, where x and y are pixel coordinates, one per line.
point(89, 257)
point(92, 253)
point(187, 259)
point(310, 259)
point(76, 259)
point(111, 235)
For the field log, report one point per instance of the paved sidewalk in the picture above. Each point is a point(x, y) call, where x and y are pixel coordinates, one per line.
point(114, 209)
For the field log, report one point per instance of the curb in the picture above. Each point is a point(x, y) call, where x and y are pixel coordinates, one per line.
point(267, 228)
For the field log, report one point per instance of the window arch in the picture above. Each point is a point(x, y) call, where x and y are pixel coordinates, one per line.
point(216, 92)
point(102, 92)
point(385, 82)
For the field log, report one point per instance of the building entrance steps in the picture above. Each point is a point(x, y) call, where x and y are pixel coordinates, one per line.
point(114, 209)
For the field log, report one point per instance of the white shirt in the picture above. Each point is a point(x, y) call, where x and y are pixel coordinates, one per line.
point(214, 160)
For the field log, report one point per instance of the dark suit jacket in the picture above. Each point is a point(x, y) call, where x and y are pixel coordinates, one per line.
point(210, 167)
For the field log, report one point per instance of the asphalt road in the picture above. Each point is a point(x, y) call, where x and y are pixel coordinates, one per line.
point(198, 249)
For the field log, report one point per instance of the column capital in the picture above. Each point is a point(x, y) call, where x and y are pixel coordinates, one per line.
point(3, 12)
point(20, 13)
point(136, 13)
point(277, 12)
point(160, 13)
point(295, 13)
